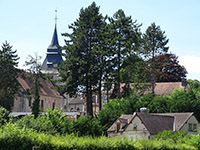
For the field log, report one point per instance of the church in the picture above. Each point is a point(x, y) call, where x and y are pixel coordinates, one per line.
point(49, 97)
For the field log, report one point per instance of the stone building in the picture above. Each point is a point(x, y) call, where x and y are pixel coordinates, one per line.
point(49, 97)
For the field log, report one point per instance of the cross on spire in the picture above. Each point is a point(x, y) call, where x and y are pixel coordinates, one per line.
point(56, 16)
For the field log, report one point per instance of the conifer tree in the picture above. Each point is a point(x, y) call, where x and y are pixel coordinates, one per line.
point(8, 76)
point(125, 38)
point(154, 44)
point(80, 70)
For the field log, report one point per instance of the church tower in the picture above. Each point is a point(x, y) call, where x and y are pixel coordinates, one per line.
point(53, 55)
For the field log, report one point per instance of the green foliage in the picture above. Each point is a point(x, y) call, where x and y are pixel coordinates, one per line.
point(8, 76)
point(175, 137)
point(4, 116)
point(56, 122)
point(84, 126)
point(40, 124)
point(12, 137)
point(111, 112)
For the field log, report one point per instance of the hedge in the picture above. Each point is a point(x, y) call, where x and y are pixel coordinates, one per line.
point(12, 137)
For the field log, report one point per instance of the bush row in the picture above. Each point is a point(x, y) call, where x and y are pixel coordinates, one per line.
point(55, 122)
point(12, 137)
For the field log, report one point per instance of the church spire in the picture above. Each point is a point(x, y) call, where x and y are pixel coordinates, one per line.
point(54, 41)
point(54, 53)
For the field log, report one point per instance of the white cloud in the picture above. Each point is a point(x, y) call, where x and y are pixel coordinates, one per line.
point(191, 63)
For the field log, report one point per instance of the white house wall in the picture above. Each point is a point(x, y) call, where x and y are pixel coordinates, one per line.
point(140, 133)
point(192, 120)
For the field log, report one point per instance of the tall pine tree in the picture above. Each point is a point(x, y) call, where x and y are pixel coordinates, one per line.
point(154, 44)
point(80, 70)
point(125, 37)
point(8, 76)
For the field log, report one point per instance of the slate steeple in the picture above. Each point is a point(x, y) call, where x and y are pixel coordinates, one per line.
point(54, 55)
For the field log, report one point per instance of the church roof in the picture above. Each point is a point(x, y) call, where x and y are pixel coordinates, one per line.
point(53, 56)
point(26, 81)
point(54, 41)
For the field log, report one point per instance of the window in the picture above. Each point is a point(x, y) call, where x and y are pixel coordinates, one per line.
point(190, 127)
point(194, 127)
point(42, 103)
point(135, 128)
point(29, 102)
point(53, 105)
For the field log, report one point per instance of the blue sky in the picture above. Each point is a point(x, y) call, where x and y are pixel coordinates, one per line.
point(28, 25)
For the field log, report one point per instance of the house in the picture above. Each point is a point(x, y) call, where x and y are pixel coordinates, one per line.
point(144, 125)
point(49, 97)
point(76, 103)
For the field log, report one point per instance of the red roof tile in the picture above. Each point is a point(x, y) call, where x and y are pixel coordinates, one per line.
point(27, 83)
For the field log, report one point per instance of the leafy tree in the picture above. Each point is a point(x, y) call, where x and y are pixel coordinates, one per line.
point(8, 75)
point(80, 70)
point(111, 112)
point(194, 84)
point(169, 69)
point(35, 69)
point(124, 34)
point(154, 44)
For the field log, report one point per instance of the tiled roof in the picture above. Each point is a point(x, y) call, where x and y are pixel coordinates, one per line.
point(167, 87)
point(124, 119)
point(180, 118)
point(154, 122)
point(27, 83)
point(160, 87)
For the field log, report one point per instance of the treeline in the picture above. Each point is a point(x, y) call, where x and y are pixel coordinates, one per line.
point(102, 51)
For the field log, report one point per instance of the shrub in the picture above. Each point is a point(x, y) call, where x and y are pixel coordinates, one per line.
point(4, 116)
point(85, 126)
point(40, 124)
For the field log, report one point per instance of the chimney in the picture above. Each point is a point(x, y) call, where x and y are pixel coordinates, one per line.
point(118, 125)
point(143, 110)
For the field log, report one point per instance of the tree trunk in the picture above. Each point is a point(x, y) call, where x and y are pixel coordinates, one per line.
point(153, 72)
point(129, 76)
point(100, 98)
point(88, 99)
point(119, 61)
